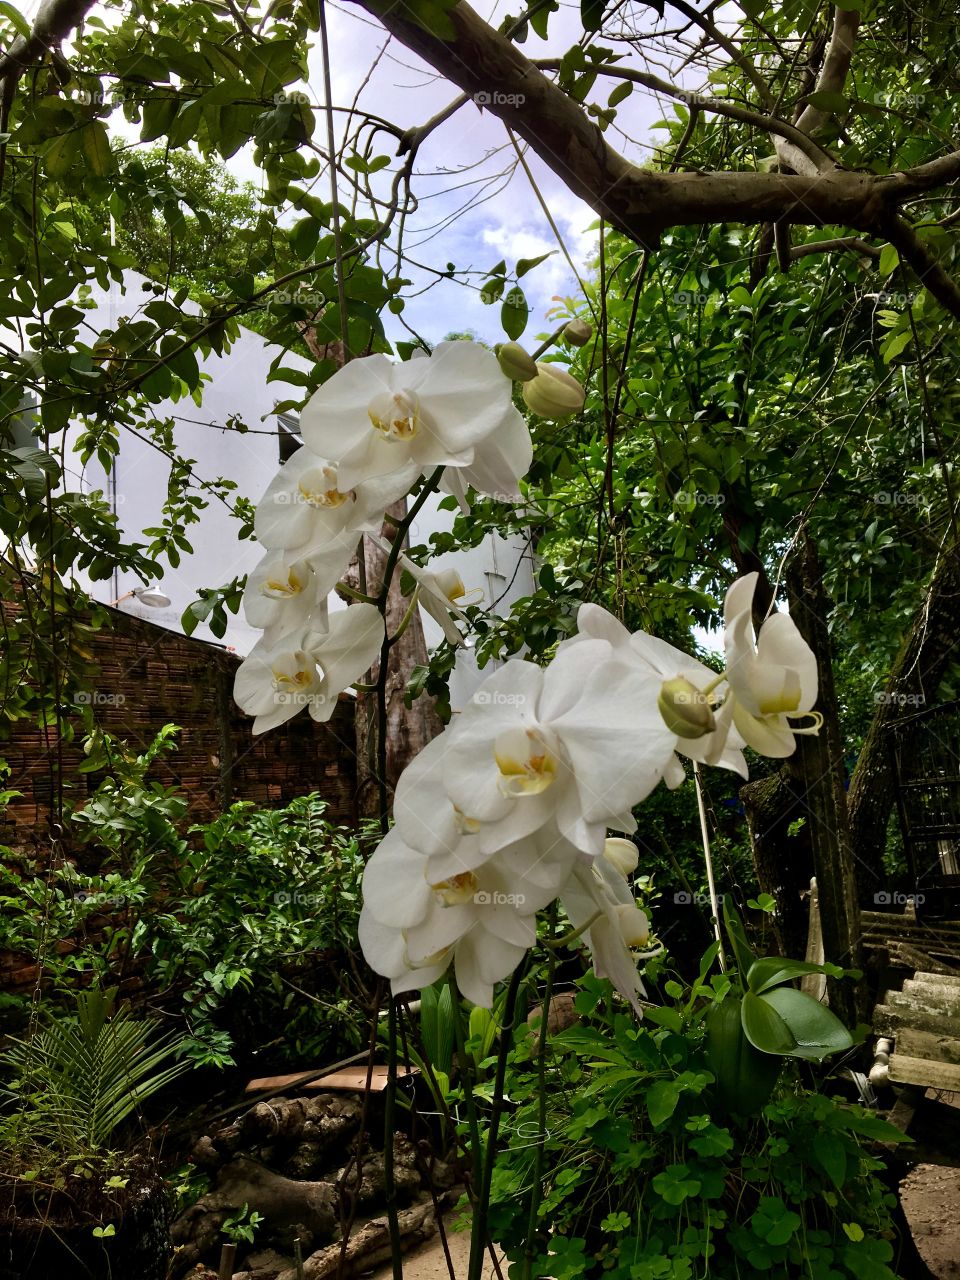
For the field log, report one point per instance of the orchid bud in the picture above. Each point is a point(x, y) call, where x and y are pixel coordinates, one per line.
point(553, 393)
point(621, 854)
point(685, 710)
point(578, 333)
point(634, 925)
point(516, 363)
point(450, 583)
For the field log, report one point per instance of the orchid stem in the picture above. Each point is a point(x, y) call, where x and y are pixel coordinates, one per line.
point(478, 1236)
point(545, 346)
point(708, 856)
point(344, 589)
point(556, 943)
point(536, 1185)
point(407, 617)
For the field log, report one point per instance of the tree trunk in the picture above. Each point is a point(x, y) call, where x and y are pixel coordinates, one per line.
point(783, 860)
point(409, 729)
point(927, 650)
point(820, 760)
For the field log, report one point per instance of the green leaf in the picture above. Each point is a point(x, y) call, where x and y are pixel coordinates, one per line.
point(742, 953)
point(591, 14)
point(96, 148)
point(61, 153)
point(514, 313)
point(831, 1156)
point(764, 1027)
point(527, 264)
point(620, 94)
point(889, 258)
point(827, 100)
point(157, 116)
point(816, 1030)
point(771, 971)
point(13, 15)
point(661, 1100)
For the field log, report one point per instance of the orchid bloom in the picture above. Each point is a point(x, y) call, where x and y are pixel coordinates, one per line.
point(772, 680)
point(500, 461)
point(417, 919)
point(309, 513)
point(720, 745)
point(276, 681)
point(378, 417)
point(439, 593)
point(598, 900)
point(578, 743)
point(281, 598)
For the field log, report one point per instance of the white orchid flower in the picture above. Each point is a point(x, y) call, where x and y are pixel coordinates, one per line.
point(774, 680)
point(442, 594)
point(500, 461)
point(308, 513)
point(578, 743)
point(722, 746)
point(416, 921)
point(598, 900)
point(378, 417)
point(282, 597)
point(276, 681)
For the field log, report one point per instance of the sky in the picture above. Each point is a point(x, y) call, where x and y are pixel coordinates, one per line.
point(454, 165)
point(510, 223)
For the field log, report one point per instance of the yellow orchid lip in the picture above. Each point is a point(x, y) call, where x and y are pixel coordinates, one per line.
point(282, 588)
point(298, 680)
point(325, 492)
point(467, 826)
point(526, 764)
point(457, 890)
point(395, 415)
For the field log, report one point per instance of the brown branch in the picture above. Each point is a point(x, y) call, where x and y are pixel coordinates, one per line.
point(54, 22)
point(818, 156)
point(852, 243)
point(832, 78)
point(836, 66)
point(925, 265)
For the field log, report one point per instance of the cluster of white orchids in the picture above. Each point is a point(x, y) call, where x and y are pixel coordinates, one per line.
point(510, 808)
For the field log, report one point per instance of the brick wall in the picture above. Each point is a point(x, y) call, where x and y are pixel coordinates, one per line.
point(148, 677)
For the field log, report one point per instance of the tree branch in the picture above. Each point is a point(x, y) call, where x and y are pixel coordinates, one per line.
point(54, 22)
point(853, 243)
point(925, 265)
point(832, 78)
point(818, 156)
point(643, 203)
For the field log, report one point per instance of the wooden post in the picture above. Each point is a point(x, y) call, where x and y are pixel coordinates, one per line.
point(228, 1256)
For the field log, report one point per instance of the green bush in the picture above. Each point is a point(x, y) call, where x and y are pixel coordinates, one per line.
point(245, 927)
point(645, 1174)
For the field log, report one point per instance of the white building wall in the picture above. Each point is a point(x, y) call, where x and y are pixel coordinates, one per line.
point(237, 387)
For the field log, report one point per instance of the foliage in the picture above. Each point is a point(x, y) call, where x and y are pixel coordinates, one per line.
point(74, 1082)
point(647, 1175)
point(245, 926)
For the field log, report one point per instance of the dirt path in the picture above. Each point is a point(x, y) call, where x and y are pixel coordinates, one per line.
point(931, 1201)
point(429, 1263)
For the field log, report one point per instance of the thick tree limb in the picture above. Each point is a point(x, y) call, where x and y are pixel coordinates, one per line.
point(832, 79)
point(54, 22)
point(928, 270)
point(643, 203)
